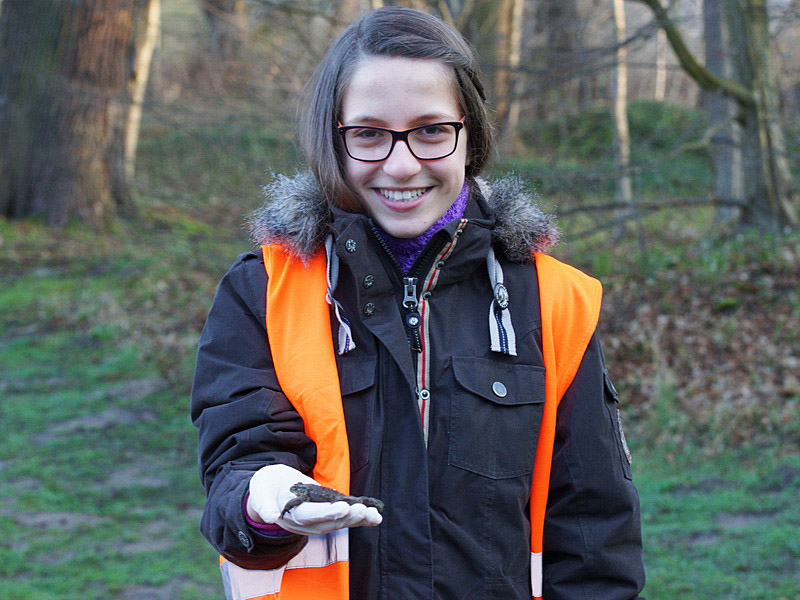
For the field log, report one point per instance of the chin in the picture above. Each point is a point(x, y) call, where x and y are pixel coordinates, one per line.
point(401, 230)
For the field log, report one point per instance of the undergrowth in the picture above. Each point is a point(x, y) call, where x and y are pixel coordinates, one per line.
point(98, 331)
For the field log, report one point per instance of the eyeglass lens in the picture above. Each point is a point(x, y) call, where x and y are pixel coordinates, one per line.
point(428, 142)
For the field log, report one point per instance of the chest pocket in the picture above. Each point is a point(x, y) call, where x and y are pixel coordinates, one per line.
point(495, 414)
point(357, 384)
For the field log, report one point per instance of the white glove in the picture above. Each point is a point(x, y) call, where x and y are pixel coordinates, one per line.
point(269, 493)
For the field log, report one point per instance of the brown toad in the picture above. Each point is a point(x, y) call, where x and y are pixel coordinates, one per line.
point(308, 492)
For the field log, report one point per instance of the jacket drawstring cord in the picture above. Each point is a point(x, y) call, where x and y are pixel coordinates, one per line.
point(346, 342)
point(501, 331)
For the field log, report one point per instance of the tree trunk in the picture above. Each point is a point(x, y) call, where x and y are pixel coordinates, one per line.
point(65, 71)
point(622, 138)
point(147, 26)
point(660, 93)
point(507, 58)
point(227, 22)
point(767, 182)
point(778, 204)
point(770, 196)
point(725, 153)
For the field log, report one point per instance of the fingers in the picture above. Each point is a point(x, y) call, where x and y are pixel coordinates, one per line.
point(323, 517)
point(360, 516)
point(372, 517)
point(309, 513)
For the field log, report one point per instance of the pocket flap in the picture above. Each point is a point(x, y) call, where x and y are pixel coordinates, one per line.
point(356, 374)
point(501, 383)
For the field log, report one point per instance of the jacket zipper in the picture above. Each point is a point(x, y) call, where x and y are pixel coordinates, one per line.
point(412, 316)
point(426, 286)
point(415, 301)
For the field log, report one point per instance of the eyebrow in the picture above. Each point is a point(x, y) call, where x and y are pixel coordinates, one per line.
point(422, 119)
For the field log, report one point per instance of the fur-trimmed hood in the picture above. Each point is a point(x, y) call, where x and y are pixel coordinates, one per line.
point(296, 215)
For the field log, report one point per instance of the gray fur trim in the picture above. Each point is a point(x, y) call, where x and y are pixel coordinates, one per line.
point(521, 227)
point(295, 214)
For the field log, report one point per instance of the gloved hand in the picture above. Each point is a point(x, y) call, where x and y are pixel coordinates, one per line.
point(269, 493)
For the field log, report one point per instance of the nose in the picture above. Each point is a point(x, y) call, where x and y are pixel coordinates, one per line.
point(401, 164)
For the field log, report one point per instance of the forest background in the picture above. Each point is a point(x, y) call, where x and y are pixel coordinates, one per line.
point(135, 136)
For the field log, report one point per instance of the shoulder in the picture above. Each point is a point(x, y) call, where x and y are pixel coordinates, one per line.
point(246, 279)
point(558, 277)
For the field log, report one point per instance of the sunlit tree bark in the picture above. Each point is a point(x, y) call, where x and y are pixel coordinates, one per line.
point(507, 59)
point(147, 24)
point(660, 92)
point(619, 87)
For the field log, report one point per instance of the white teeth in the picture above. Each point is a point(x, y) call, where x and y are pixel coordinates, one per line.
point(403, 194)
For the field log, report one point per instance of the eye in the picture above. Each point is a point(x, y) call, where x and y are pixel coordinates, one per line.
point(433, 130)
point(366, 133)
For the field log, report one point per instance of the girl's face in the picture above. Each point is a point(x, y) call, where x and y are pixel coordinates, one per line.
point(401, 93)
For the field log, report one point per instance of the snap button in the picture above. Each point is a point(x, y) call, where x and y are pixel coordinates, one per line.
point(501, 296)
point(499, 389)
point(369, 308)
point(350, 246)
point(245, 539)
point(426, 295)
point(369, 281)
point(424, 394)
point(440, 264)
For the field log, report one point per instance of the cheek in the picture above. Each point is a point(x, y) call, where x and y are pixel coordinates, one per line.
point(355, 172)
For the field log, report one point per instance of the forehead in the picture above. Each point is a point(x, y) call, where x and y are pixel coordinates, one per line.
point(395, 91)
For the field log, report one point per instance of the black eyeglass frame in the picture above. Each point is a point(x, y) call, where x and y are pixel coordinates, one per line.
point(400, 136)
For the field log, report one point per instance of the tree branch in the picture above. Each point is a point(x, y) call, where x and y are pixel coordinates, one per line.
point(660, 205)
point(700, 74)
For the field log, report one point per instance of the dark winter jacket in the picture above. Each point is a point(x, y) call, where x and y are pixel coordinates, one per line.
point(456, 523)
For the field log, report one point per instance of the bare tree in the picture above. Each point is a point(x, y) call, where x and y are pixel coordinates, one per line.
point(725, 160)
point(660, 92)
point(770, 197)
point(507, 59)
point(227, 23)
point(67, 71)
point(558, 24)
point(147, 24)
point(619, 112)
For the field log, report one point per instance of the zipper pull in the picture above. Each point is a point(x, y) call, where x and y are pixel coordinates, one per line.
point(412, 316)
point(410, 293)
point(410, 302)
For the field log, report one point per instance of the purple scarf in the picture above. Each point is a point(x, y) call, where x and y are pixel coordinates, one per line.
point(406, 250)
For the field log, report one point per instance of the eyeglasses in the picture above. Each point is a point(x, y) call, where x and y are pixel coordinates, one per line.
point(426, 142)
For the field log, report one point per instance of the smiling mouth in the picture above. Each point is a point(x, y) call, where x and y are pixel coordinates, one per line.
point(401, 195)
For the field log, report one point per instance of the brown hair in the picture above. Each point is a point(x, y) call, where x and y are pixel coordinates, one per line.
point(387, 32)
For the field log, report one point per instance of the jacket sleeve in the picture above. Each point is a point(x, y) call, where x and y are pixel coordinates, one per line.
point(592, 535)
point(243, 418)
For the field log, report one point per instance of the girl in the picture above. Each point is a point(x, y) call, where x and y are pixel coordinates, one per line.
point(401, 334)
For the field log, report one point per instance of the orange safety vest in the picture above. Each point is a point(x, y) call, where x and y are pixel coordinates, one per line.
point(299, 330)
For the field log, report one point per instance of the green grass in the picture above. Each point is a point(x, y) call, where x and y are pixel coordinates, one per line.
point(721, 528)
point(99, 496)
